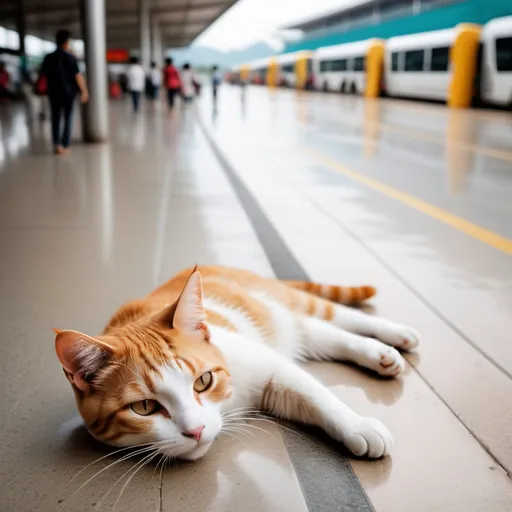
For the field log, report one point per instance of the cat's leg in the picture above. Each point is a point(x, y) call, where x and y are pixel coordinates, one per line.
point(293, 394)
point(355, 321)
point(321, 340)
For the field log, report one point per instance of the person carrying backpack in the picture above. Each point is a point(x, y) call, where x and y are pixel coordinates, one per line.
point(63, 82)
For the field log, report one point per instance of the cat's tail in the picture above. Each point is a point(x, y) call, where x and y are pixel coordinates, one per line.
point(339, 294)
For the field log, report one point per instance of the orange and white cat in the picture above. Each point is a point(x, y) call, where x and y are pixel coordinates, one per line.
point(169, 369)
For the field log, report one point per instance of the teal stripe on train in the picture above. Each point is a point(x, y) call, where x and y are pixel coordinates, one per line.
point(469, 11)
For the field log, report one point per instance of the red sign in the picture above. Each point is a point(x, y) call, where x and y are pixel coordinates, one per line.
point(118, 55)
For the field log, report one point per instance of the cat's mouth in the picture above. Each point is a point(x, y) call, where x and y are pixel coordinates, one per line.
point(188, 453)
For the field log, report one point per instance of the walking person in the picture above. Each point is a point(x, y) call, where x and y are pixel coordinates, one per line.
point(64, 81)
point(156, 80)
point(172, 81)
point(136, 82)
point(5, 80)
point(215, 83)
point(188, 83)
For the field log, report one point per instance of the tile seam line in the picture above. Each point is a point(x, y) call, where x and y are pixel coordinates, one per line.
point(228, 169)
point(434, 310)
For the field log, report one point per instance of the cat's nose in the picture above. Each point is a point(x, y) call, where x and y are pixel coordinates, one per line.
point(194, 433)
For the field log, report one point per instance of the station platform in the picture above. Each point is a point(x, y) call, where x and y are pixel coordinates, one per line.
point(411, 198)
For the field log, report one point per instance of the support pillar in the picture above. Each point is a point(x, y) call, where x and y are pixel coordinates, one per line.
point(156, 45)
point(145, 34)
point(21, 25)
point(95, 112)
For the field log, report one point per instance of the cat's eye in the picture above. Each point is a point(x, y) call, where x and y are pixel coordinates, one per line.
point(203, 382)
point(145, 407)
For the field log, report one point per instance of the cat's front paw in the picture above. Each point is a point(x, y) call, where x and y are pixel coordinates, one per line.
point(368, 437)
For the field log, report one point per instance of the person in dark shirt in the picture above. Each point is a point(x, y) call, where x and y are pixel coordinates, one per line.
point(64, 81)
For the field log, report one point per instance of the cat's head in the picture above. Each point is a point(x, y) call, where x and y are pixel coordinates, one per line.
point(156, 380)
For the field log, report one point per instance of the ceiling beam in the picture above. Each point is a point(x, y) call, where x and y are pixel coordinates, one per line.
point(66, 7)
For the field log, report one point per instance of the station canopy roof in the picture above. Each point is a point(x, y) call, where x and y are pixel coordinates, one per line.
point(313, 22)
point(181, 21)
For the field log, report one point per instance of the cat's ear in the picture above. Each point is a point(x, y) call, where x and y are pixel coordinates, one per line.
point(187, 313)
point(81, 356)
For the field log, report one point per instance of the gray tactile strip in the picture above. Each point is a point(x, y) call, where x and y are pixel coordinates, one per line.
point(327, 479)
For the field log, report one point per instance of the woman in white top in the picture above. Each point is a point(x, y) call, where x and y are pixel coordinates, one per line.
point(136, 81)
point(155, 76)
point(189, 82)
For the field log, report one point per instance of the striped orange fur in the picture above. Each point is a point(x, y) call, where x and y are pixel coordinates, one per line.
point(350, 295)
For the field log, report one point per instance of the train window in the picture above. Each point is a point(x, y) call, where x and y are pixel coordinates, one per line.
point(395, 8)
point(287, 68)
point(310, 66)
point(440, 59)
point(325, 65)
point(414, 60)
point(339, 65)
point(504, 54)
point(359, 64)
point(394, 61)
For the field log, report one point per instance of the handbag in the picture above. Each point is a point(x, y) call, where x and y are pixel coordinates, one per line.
point(41, 86)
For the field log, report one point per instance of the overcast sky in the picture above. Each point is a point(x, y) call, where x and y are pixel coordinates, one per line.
point(255, 20)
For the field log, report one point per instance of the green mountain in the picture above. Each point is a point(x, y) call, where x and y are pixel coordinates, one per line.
point(204, 56)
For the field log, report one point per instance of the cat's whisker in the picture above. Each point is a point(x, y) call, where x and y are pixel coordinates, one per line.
point(106, 456)
point(275, 421)
point(235, 430)
point(227, 413)
point(271, 420)
point(229, 428)
point(250, 413)
point(147, 461)
point(251, 410)
point(162, 457)
point(146, 457)
point(125, 457)
point(248, 425)
point(241, 430)
point(235, 414)
point(227, 434)
point(169, 457)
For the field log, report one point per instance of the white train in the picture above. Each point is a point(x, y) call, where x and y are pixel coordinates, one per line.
point(341, 68)
point(457, 65)
point(418, 66)
point(496, 62)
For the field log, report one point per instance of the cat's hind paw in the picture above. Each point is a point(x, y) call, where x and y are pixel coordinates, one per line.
point(368, 437)
point(381, 358)
point(398, 336)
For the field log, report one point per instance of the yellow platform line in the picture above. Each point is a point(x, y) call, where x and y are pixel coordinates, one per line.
point(473, 230)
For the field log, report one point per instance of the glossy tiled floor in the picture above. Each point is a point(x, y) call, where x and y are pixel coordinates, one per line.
point(409, 197)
